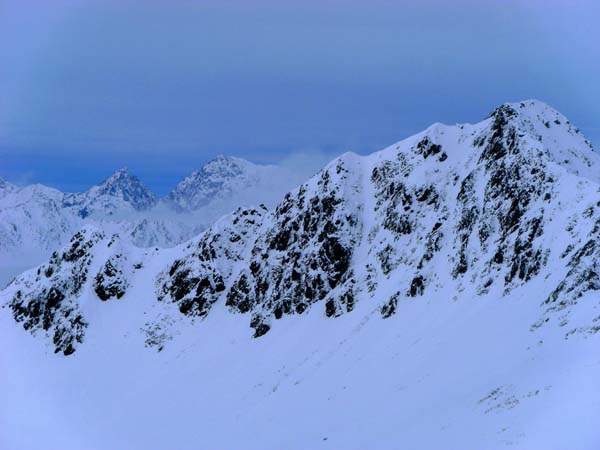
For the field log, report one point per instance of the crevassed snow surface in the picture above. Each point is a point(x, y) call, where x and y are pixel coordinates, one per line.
point(441, 293)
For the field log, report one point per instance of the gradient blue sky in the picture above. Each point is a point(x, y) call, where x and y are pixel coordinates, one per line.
point(162, 86)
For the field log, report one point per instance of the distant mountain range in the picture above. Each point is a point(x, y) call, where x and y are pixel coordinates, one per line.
point(36, 219)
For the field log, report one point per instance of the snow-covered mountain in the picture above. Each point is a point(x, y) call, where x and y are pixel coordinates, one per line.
point(32, 223)
point(121, 193)
point(226, 183)
point(36, 219)
point(220, 178)
point(440, 293)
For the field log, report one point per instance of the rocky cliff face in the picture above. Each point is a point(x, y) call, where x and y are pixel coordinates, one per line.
point(303, 254)
point(509, 206)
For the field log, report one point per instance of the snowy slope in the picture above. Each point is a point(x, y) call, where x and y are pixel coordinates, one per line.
point(440, 293)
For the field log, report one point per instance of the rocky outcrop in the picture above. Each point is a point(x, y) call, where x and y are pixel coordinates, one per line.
point(45, 299)
point(112, 281)
point(304, 253)
point(196, 281)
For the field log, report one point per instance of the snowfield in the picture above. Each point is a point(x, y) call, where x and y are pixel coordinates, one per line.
point(440, 293)
point(436, 375)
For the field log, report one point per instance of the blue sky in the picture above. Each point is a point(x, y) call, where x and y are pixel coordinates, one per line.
point(87, 87)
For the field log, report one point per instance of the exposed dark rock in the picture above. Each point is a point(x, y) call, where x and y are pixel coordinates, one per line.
point(260, 326)
point(110, 280)
point(389, 308)
point(417, 286)
point(427, 148)
point(197, 281)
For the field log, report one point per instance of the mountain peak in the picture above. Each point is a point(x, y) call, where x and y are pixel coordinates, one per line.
point(121, 189)
point(222, 157)
point(535, 115)
point(543, 130)
point(120, 175)
point(128, 187)
point(220, 176)
point(533, 111)
point(123, 171)
point(528, 106)
point(226, 165)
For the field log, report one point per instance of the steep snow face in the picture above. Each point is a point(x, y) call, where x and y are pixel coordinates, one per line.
point(460, 264)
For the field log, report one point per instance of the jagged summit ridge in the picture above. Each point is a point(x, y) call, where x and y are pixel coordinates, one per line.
point(129, 187)
point(556, 136)
point(120, 190)
point(483, 210)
